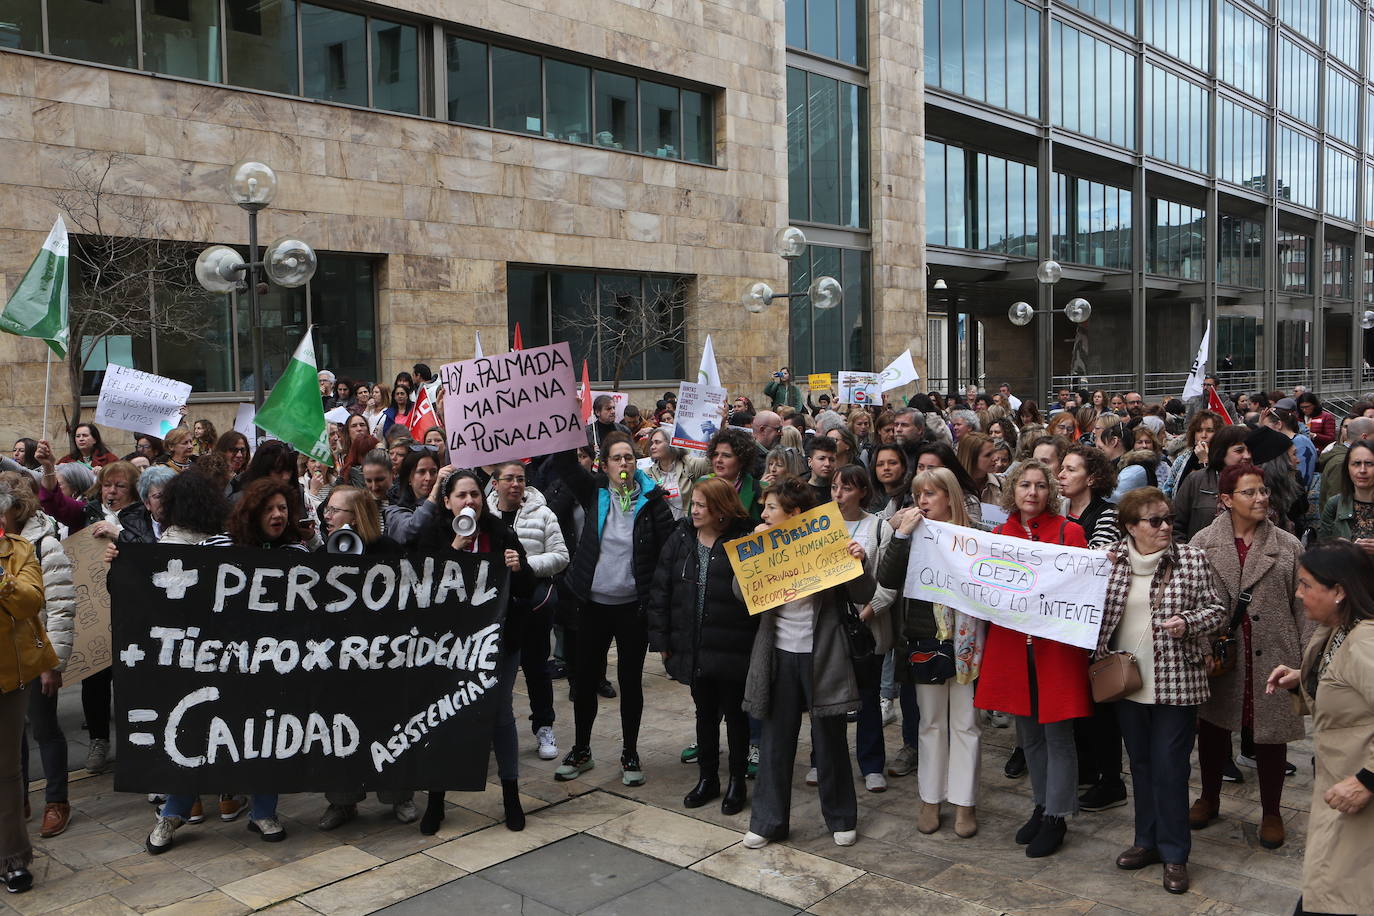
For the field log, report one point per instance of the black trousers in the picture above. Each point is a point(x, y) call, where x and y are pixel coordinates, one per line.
point(534, 659)
point(1159, 740)
point(95, 703)
point(597, 626)
point(1098, 740)
point(716, 698)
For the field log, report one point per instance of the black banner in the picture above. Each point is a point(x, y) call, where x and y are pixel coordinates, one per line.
point(282, 671)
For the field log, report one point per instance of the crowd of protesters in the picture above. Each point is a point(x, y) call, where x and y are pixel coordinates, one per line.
point(1239, 582)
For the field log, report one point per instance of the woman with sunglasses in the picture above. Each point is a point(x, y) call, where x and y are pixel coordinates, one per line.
point(1254, 569)
point(1161, 608)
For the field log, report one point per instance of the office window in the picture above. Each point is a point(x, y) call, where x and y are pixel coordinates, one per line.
point(1302, 16)
point(988, 50)
point(1092, 222)
point(978, 201)
point(698, 127)
point(1340, 184)
point(1180, 28)
point(24, 29)
point(1342, 107)
point(831, 28)
point(1119, 14)
point(1177, 244)
point(827, 132)
point(1176, 119)
point(832, 339)
point(261, 45)
point(182, 38)
point(1294, 261)
point(1295, 172)
point(1297, 82)
point(102, 31)
point(518, 103)
point(1338, 270)
point(617, 123)
point(660, 111)
point(395, 66)
point(1240, 251)
point(1095, 92)
point(552, 304)
point(1241, 155)
point(1244, 51)
point(1343, 31)
point(1368, 273)
point(468, 81)
point(569, 89)
point(334, 49)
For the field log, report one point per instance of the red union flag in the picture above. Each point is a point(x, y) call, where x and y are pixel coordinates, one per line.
point(421, 419)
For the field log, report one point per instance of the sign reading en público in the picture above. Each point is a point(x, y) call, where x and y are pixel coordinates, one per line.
point(1042, 589)
point(804, 555)
point(283, 671)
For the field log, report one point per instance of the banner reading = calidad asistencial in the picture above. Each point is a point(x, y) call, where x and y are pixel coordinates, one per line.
point(1042, 589)
point(283, 671)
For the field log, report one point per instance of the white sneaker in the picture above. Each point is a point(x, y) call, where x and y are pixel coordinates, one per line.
point(811, 777)
point(889, 709)
point(156, 799)
point(270, 828)
point(875, 782)
point(548, 745)
point(753, 841)
point(160, 839)
point(846, 837)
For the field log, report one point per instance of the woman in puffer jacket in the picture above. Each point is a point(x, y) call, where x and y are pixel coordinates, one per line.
point(534, 523)
point(59, 619)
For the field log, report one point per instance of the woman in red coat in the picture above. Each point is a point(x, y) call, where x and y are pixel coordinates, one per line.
point(1043, 683)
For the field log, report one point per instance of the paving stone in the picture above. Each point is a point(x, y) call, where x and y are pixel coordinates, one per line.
point(665, 835)
point(64, 891)
point(381, 886)
point(471, 896)
point(577, 874)
point(779, 871)
point(286, 881)
point(586, 811)
point(211, 903)
point(874, 895)
point(687, 890)
point(485, 848)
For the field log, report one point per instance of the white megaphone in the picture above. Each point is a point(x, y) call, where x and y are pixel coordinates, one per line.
point(465, 522)
point(345, 540)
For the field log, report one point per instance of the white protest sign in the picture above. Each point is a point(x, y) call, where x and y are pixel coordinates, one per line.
point(994, 514)
point(1046, 590)
point(243, 422)
point(861, 388)
point(516, 405)
point(698, 415)
point(143, 403)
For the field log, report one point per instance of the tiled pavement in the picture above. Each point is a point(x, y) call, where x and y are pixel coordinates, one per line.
point(594, 846)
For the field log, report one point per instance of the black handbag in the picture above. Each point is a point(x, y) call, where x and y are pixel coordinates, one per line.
point(930, 660)
point(1225, 650)
point(862, 644)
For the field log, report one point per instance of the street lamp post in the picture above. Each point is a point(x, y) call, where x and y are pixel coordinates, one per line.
point(287, 261)
point(1077, 310)
point(824, 292)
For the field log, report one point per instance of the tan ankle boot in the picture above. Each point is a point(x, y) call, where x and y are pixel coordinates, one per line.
point(965, 821)
point(928, 821)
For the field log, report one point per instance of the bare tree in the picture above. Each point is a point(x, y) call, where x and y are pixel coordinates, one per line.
point(128, 278)
point(626, 325)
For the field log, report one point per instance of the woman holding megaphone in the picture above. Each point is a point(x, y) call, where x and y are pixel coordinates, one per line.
point(464, 524)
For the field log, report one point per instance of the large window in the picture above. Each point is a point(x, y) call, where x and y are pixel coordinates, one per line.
point(1295, 172)
point(1119, 14)
point(24, 25)
point(1176, 129)
point(1303, 16)
point(1343, 31)
point(1241, 154)
point(1095, 91)
point(1180, 28)
point(334, 48)
point(181, 37)
point(827, 150)
point(1177, 244)
point(582, 306)
point(261, 43)
point(1340, 184)
point(828, 340)
point(1240, 251)
point(978, 201)
point(1092, 222)
point(830, 28)
point(1298, 82)
point(103, 32)
point(1294, 261)
point(525, 92)
point(1338, 270)
point(1244, 50)
point(988, 50)
point(1342, 107)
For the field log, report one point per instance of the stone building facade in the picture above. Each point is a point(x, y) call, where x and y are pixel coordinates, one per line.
point(428, 215)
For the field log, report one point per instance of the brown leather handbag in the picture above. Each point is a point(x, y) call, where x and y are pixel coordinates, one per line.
point(1114, 676)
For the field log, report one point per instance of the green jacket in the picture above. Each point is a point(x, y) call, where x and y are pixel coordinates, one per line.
point(1338, 515)
point(784, 395)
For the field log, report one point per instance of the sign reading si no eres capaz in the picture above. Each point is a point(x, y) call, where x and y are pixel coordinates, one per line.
point(282, 671)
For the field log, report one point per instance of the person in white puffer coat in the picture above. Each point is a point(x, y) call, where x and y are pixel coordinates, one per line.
point(524, 510)
point(59, 619)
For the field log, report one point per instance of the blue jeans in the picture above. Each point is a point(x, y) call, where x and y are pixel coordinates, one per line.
point(180, 806)
point(52, 743)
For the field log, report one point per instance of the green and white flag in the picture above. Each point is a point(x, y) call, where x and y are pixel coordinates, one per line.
point(293, 411)
point(38, 307)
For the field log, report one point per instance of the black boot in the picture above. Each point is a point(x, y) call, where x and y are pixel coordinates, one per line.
point(1031, 828)
point(733, 802)
point(434, 814)
point(1049, 839)
point(510, 794)
point(706, 789)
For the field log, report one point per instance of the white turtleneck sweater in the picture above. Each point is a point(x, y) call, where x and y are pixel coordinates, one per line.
point(1135, 633)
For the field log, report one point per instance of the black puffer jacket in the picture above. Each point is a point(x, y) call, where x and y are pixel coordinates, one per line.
point(716, 642)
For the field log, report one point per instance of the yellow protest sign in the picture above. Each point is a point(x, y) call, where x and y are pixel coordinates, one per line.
point(804, 555)
point(818, 381)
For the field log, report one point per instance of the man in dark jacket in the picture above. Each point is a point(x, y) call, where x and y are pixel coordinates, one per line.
point(603, 422)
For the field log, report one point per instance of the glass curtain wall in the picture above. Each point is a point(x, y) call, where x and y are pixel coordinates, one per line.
point(978, 201)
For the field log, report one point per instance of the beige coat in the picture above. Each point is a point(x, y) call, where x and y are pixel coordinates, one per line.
point(1336, 876)
point(1276, 620)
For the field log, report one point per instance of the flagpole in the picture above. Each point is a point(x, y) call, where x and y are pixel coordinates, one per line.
point(47, 378)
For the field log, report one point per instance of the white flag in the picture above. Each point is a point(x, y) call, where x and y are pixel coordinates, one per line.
point(708, 374)
point(1194, 387)
point(901, 371)
point(477, 347)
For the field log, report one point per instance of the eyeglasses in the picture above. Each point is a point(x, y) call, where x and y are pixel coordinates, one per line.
point(510, 478)
point(1252, 493)
point(1154, 521)
point(420, 448)
point(239, 450)
point(335, 510)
